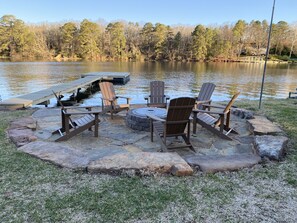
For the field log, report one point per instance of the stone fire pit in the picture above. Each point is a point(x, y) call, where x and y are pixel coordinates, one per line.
point(137, 118)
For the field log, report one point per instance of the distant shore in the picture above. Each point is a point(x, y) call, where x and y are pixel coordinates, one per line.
point(245, 59)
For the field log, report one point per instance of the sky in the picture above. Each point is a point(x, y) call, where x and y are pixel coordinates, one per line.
point(168, 12)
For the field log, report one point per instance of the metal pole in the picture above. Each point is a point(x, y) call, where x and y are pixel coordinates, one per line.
point(266, 55)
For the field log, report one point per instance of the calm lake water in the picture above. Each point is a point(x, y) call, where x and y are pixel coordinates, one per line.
point(181, 79)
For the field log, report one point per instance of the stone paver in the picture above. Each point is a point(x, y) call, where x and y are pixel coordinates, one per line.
point(216, 163)
point(143, 162)
point(26, 122)
point(262, 126)
point(21, 137)
point(272, 147)
point(58, 154)
point(21, 132)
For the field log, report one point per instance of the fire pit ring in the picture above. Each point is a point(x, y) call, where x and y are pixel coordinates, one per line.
point(137, 118)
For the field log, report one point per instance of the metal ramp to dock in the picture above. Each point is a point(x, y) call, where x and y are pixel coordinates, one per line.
point(43, 96)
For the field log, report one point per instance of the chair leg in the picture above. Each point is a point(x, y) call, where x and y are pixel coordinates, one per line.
point(96, 126)
point(188, 130)
point(188, 143)
point(152, 130)
point(228, 119)
point(162, 142)
point(222, 124)
point(194, 122)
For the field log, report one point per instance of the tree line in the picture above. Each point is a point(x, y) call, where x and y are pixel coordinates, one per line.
point(130, 41)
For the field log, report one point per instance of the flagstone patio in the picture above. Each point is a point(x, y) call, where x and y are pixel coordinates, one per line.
point(120, 149)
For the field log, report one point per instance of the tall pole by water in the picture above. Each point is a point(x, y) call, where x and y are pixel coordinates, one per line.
point(266, 55)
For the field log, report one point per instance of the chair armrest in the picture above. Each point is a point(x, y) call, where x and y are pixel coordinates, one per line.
point(203, 102)
point(213, 106)
point(208, 112)
point(123, 97)
point(128, 99)
point(151, 116)
point(86, 107)
point(107, 99)
point(82, 113)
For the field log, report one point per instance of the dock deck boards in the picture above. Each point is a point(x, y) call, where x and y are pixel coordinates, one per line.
point(38, 97)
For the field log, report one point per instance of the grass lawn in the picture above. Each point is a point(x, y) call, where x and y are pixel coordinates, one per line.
point(34, 191)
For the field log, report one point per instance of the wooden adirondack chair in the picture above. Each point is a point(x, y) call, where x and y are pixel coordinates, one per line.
point(213, 124)
point(73, 126)
point(109, 99)
point(157, 98)
point(174, 125)
point(204, 95)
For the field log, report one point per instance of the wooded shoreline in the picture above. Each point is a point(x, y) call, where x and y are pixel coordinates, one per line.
point(217, 60)
point(127, 41)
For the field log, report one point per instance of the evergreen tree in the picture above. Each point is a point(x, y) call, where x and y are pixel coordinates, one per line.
point(168, 45)
point(69, 33)
point(199, 44)
point(117, 45)
point(279, 31)
point(239, 36)
point(147, 45)
point(14, 36)
point(177, 45)
point(159, 38)
point(88, 38)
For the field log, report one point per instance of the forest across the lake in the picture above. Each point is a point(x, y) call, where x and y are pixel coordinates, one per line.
point(121, 40)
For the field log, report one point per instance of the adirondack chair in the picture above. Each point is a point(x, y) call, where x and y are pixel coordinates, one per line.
point(204, 95)
point(216, 125)
point(73, 126)
point(174, 125)
point(157, 98)
point(109, 99)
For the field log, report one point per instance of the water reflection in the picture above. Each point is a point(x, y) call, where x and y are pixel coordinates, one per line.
point(181, 79)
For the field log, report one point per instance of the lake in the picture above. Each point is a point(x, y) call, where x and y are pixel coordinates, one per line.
point(181, 79)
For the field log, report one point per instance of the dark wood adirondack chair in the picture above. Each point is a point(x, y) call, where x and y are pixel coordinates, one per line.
point(204, 95)
point(157, 98)
point(178, 118)
point(109, 99)
point(72, 126)
point(216, 125)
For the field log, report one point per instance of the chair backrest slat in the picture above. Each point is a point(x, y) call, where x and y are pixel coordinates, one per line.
point(178, 114)
point(157, 92)
point(205, 92)
point(108, 92)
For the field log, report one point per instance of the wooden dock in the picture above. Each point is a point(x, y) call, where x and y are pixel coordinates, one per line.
point(115, 77)
point(43, 96)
